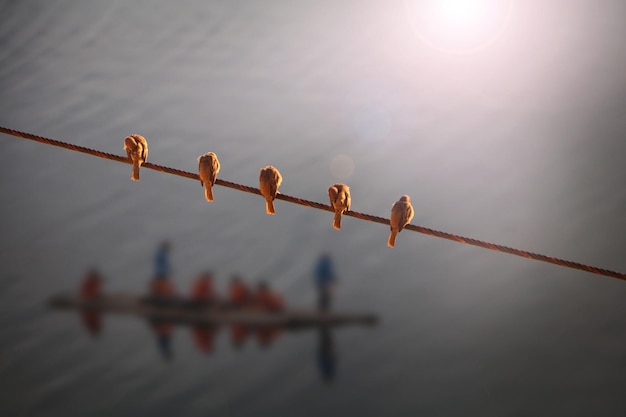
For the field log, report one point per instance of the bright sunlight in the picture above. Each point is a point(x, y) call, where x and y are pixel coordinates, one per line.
point(459, 26)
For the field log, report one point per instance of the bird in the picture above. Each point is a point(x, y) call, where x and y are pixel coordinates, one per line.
point(401, 215)
point(136, 148)
point(340, 200)
point(269, 181)
point(208, 167)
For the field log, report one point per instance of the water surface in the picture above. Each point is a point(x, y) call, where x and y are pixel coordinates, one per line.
point(520, 143)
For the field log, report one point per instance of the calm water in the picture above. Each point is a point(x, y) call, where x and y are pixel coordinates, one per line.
point(519, 142)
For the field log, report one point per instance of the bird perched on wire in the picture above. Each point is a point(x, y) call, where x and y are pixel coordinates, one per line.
point(208, 167)
point(401, 215)
point(269, 181)
point(340, 200)
point(137, 149)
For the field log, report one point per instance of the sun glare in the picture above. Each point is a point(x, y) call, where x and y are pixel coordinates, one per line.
point(459, 26)
point(457, 11)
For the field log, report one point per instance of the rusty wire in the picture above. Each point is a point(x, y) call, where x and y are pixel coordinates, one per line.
point(320, 206)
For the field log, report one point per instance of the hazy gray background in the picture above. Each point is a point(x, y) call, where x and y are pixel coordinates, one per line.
point(516, 137)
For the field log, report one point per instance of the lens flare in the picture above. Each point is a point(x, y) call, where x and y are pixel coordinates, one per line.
point(342, 167)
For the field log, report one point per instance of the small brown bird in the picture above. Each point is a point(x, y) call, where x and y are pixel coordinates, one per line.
point(340, 200)
point(137, 149)
point(401, 215)
point(269, 181)
point(208, 167)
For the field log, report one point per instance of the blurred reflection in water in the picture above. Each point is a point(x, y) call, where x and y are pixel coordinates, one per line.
point(238, 335)
point(164, 315)
point(92, 322)
point(163, 331)
point(91, 288)
point(261, 315)
point(326, 354)
point(204, 338)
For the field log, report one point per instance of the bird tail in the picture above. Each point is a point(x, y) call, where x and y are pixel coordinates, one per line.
point(208, 192)
point(337, 220)
point(391, 242)
point(269, 206)
point(135, 175)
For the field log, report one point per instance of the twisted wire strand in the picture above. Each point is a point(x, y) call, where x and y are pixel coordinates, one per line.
point(326, 207)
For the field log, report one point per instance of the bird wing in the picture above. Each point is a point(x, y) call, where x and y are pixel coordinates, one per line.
point(202, 168)
point(344, 196)
point(215, 167)
point(144, 147)
point(265, 182)
point(333, 193)
point(130, 145)
point(278, 178)
point(273, 188)
point(406, 215)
